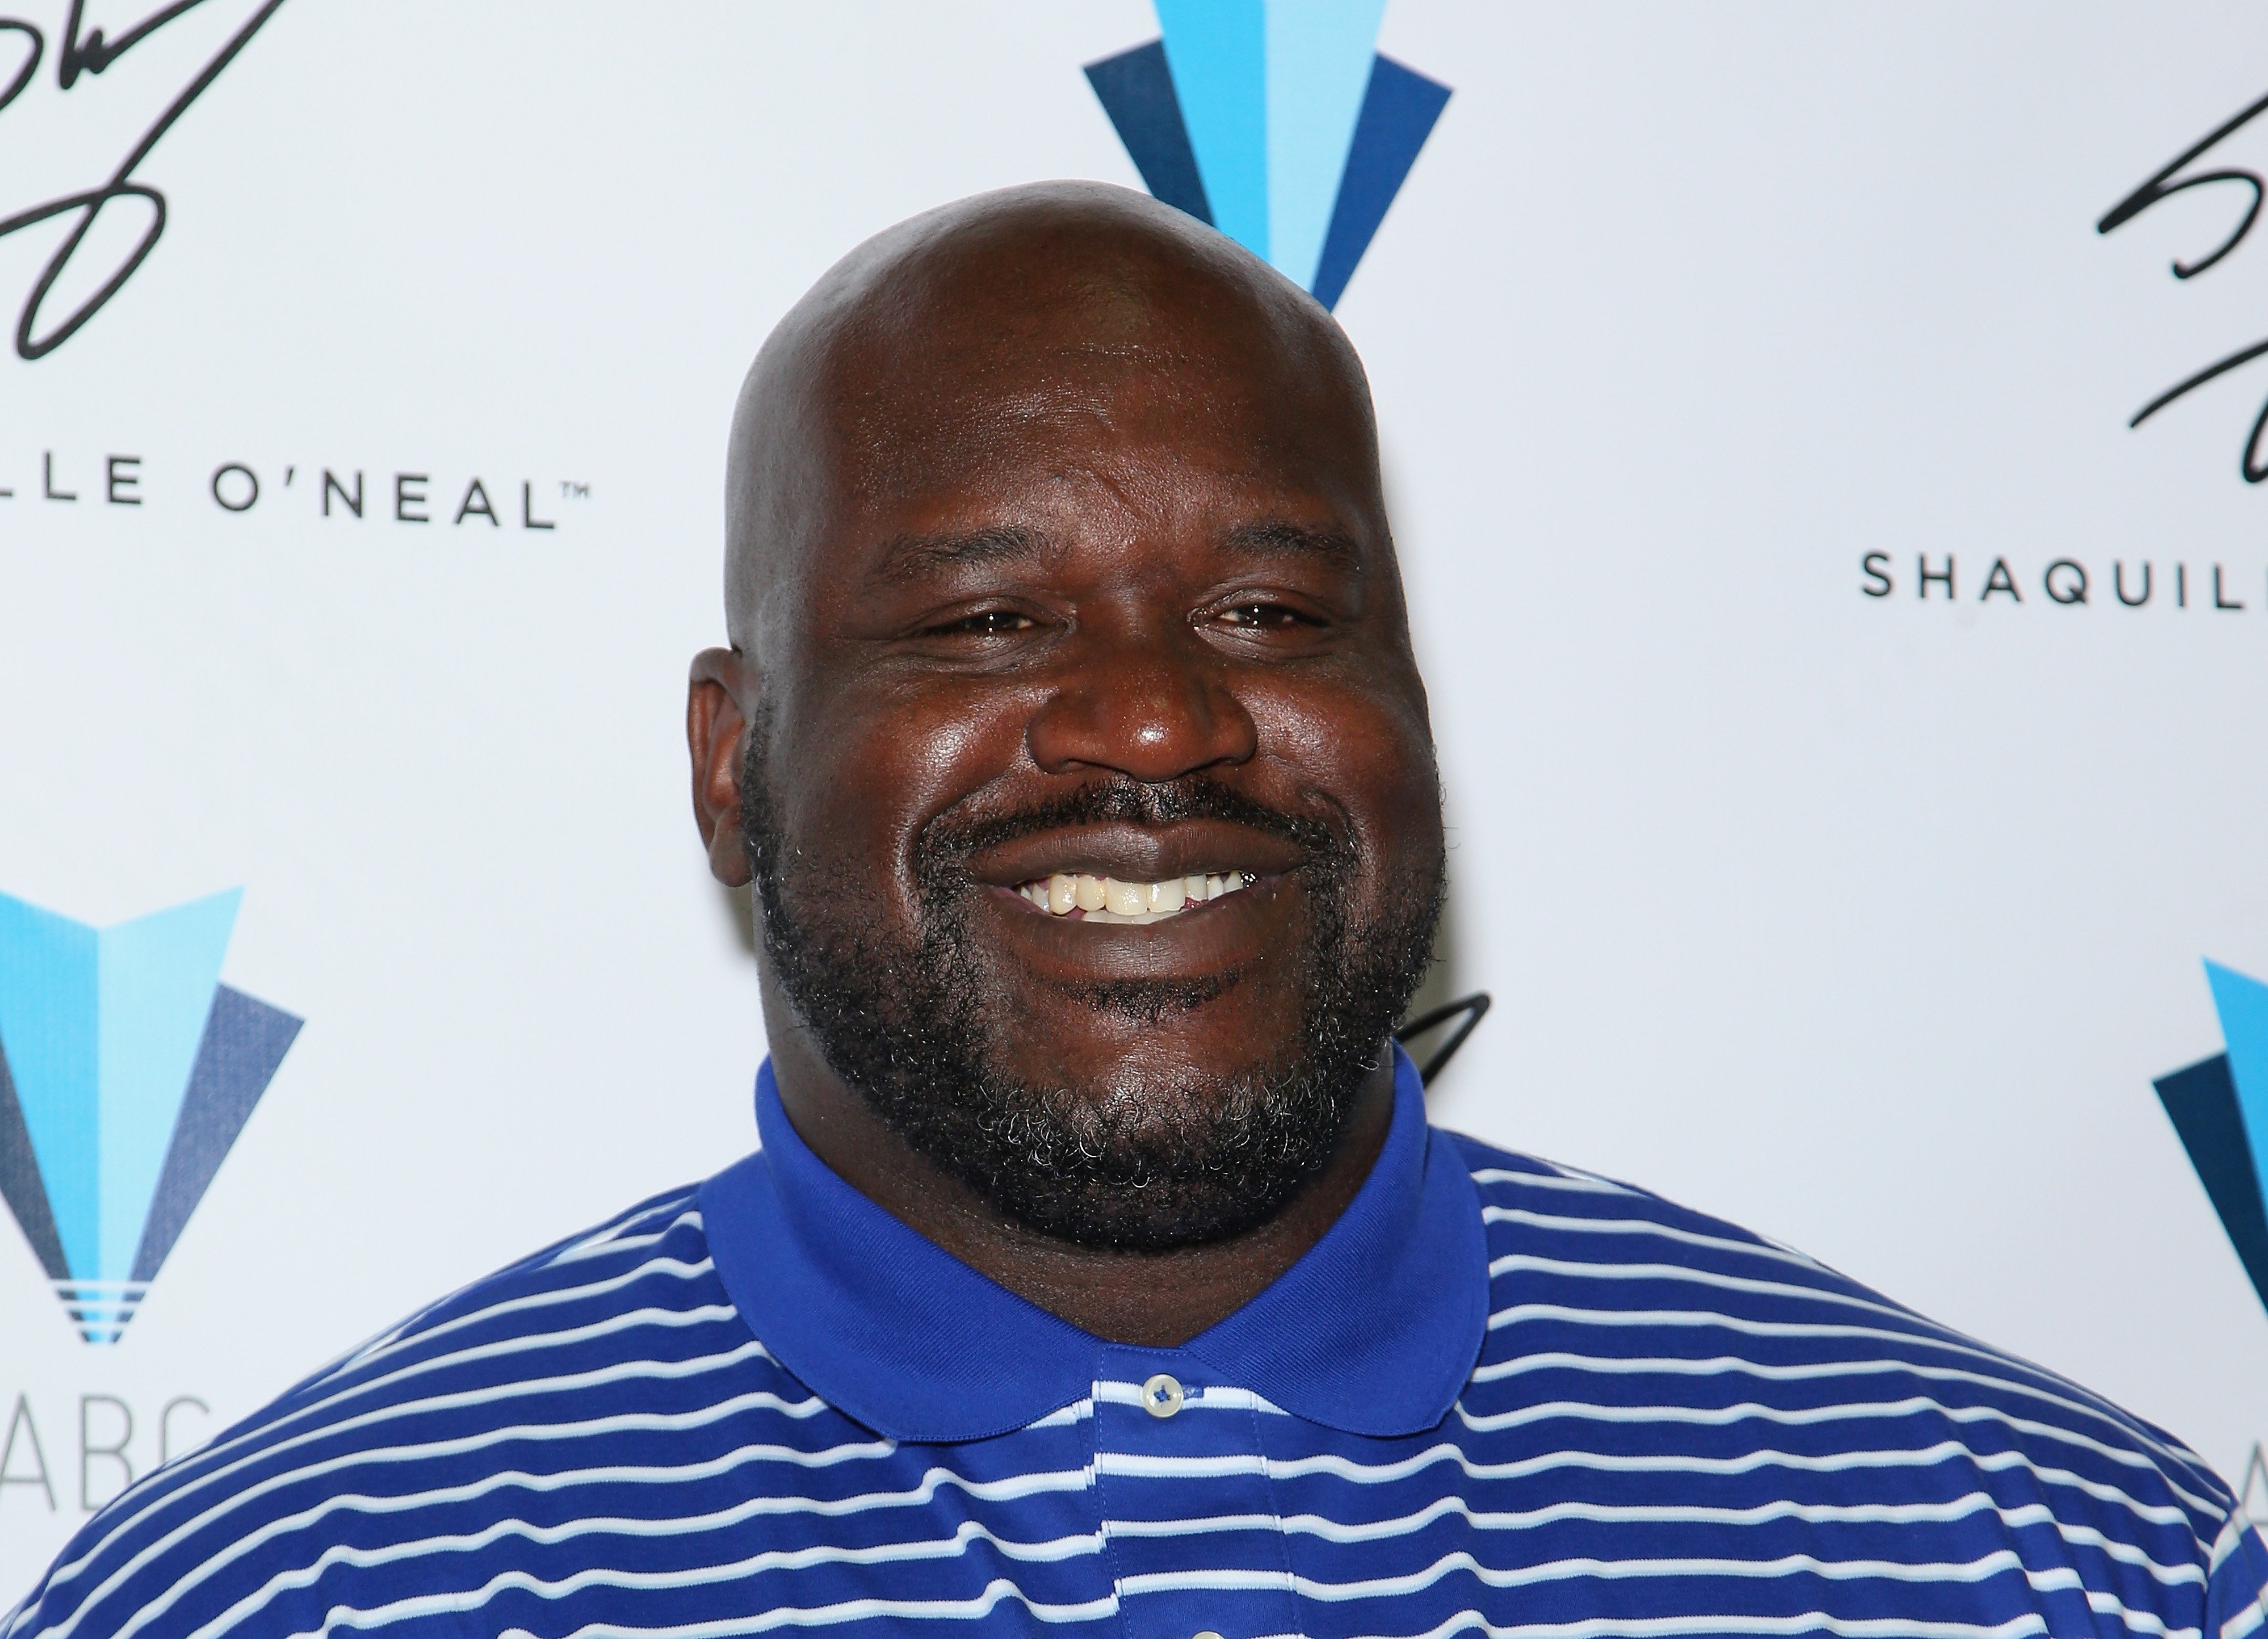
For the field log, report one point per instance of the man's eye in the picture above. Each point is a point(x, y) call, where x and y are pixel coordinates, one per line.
point(985, 623)
point(1264, 617)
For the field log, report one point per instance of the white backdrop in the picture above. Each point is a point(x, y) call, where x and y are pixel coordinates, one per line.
point(1867, 922)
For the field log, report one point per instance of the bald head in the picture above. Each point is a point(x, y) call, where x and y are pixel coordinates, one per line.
point(929, 352)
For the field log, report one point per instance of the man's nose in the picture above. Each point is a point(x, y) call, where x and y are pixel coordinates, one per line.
point(1151, 708)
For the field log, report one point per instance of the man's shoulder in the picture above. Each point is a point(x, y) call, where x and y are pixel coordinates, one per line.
point(431, 1433)
point(1615, 1308)
point(1636, 1276)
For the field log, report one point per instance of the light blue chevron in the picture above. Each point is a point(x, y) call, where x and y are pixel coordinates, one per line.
point(49, 977)
point(101, 1030)
point(1270, 90)
point(1216, 51)
point(1318, 58)
point(2243, 1004)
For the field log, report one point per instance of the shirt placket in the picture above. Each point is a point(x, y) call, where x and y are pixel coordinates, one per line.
point(1189, 1516)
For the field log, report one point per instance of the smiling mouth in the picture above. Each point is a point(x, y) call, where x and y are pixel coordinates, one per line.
point(1076, 897)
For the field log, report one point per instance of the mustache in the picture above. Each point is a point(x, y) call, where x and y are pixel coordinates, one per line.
point(946, 840)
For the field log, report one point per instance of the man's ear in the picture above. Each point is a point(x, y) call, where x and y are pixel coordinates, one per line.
point(716, 733)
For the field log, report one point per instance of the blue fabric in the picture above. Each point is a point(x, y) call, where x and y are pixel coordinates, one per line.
point(680, 1423)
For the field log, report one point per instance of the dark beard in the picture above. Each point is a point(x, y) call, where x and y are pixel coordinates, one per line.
point(1136, 1167)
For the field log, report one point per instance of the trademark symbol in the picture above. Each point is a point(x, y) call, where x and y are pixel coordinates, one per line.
point(574, 491)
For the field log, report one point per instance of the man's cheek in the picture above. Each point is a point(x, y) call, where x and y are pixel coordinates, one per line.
point(852, 845)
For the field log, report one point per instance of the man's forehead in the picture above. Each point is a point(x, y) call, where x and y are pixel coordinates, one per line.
point(1074, 487)
point(1067, 333)
point(952, 416)
point(909, 558)
point(1183, 378)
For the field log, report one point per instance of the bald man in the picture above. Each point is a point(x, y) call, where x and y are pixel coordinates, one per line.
point(1099, 1273)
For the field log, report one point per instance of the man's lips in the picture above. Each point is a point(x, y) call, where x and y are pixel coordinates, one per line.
point(1136, 854)
point(1211, 938)
point(1063, 892)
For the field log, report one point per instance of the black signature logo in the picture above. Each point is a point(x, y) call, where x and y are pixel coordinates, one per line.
point(2165, 185)
point(91, 53)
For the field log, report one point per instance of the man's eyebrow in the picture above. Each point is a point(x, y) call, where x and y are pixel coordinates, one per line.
point(1275, 537)
point(910, 556)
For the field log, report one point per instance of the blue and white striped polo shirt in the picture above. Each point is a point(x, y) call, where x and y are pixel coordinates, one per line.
point(1500, 1397)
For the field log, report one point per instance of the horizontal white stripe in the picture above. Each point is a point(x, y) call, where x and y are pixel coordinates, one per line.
point(2247, 1620)
point(409, 1325)
point(2077, 1402)
point(1646, 1515)
point(1761, 1627)
point(1134, 1465)
point(1685, 1274)
point(612, 1238)
point(534, 1303)
point(1197, 1527)
point(1561, 1223)
point(1219, 1579)
point(996, 1593)
point(2134, 1621)
point(1985, 1567)
point(1561, 1179)
point(1169, 1468)
point(1910, 1405)
point(1574, 1179)
point(239, 1616)
point(1207, 1397)
point(2000, 1562)
point(1526, 1314)
point(1839, 1462)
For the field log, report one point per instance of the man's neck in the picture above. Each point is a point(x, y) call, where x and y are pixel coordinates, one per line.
point(1154, 1299)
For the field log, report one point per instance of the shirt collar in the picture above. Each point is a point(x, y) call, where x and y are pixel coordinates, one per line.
point(1373, 1332)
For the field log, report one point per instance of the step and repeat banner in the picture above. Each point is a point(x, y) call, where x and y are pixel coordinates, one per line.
point(1826, 446)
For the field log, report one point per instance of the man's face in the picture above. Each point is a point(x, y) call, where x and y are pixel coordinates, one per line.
point(1080, 620)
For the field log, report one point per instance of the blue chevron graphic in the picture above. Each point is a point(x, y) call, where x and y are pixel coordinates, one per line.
point(2219, 1107)
point(127, 1070)
point(1275, 120)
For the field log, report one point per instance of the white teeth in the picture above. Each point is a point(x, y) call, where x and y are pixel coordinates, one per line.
point(1108, 899)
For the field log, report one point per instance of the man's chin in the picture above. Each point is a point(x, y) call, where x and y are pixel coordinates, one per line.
point(1232, 1023)
point(1152, 1142)
point(1152, 1219)
point(1155, 1167)
point(1164, 1055)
